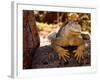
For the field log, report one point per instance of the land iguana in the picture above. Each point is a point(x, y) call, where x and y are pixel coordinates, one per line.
point(69, 35)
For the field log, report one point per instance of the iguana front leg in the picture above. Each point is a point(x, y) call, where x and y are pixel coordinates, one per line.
point(62, 53)
point(80, 53)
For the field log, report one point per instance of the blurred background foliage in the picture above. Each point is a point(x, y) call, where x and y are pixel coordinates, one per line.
point(48, 21)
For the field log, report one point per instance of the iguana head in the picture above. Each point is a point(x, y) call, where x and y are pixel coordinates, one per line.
point(74, 29)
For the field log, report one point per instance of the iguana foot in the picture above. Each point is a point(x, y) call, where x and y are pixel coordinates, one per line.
point(63, 54)
point(79, 55)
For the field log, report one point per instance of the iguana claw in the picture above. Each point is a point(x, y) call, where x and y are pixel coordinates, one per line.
point(63, 55)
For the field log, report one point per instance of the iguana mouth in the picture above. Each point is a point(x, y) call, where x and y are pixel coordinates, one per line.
point(75, 33)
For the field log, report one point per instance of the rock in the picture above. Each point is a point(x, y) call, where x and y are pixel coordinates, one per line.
point(85, 36)
point(87, 39)
point(31, 39)
point(45, 57)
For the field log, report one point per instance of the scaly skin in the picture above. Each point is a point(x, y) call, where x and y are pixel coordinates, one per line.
point(57, 45)
point(68, 37)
